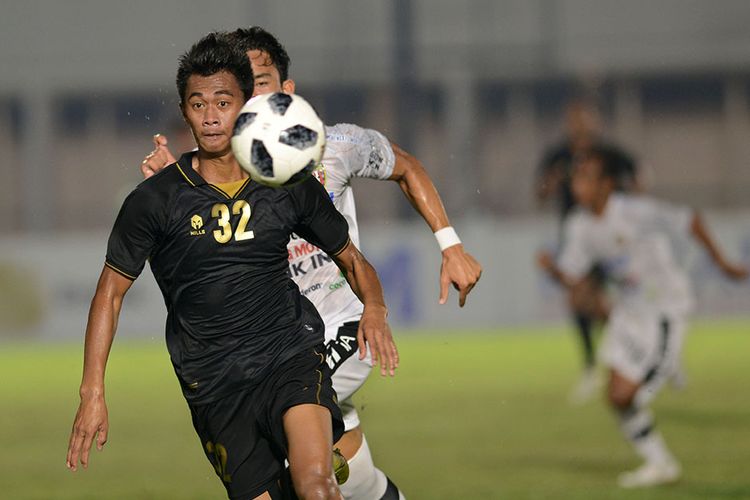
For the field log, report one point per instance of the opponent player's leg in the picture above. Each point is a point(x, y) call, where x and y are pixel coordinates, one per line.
point(588, 305)
point(310, 438)
point(637, 425)
point(641, 352)
point(365, 480)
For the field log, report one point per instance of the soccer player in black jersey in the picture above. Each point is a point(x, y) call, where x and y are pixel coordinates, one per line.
point(586, 300)
point(343, 160)
point(245, 345)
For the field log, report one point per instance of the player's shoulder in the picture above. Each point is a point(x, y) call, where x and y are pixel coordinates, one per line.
point(343, 132)
point(352, 134)
point(159, 190)
point(358, 151)
point(631, 202)
point(311, 186)
point(165, 180)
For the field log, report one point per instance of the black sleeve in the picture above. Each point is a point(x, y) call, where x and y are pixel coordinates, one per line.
point(136, 232)
point(626, 167)
point(318, 221)
point(551, 159)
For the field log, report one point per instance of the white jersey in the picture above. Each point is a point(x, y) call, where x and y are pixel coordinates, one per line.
point(351, 151)
point(631, 239)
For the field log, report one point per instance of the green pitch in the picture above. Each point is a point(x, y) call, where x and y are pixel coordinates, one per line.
point(471, 416)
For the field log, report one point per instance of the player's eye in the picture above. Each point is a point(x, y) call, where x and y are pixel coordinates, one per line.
point(223, 104)
point(197, 105)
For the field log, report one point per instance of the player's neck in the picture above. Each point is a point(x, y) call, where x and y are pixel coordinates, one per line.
point(218, 169)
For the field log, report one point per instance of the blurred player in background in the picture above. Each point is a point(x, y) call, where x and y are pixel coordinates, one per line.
point(630, 236)
point(587, 299)
point(246, 346)
point(351, 151)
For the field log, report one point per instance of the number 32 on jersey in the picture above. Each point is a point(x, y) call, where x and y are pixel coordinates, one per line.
point(225, 232)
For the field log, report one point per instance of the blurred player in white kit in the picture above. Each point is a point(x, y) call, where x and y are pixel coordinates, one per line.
point(630, 235)
point(351, 151)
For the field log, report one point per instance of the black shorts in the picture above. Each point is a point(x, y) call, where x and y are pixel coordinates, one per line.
point(243, 433)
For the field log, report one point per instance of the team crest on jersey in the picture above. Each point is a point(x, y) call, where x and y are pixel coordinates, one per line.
point(196, 222)
point(320, 173)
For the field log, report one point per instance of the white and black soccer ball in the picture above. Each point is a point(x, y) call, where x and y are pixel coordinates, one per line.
point(278, 139)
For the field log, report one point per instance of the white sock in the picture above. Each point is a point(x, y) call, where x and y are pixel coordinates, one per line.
point(366, 482)
point(637, 424)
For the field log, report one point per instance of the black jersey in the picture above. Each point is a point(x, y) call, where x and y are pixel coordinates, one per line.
point(233, 312)
point(562, 158)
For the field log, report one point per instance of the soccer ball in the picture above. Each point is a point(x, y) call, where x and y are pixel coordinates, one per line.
point(278, 139)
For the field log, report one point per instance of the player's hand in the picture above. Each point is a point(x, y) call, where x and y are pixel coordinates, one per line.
point(461, 270)
point(91, 421)
point(734, 271)
point(157, 159)
point(375, 333)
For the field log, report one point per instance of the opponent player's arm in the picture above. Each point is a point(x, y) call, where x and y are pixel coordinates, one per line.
point(373, 326)
point(91, 420)
point(575, 258)
point(458, 266)
point(157, 159)
point(700, 232)
point(549, 176)
point(547, 262)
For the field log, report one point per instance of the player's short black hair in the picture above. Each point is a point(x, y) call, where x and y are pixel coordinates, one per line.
point(610, 162)
point(211, 54)
point(256, 38)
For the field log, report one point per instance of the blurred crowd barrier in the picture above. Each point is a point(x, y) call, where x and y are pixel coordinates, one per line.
point(47, 282)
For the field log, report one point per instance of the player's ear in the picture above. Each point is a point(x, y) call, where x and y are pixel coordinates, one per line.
point(288, 86)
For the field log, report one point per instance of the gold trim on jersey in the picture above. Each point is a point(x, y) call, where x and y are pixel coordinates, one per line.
point(120, 271)
point(184, 174)
point(320, 386)
point(231, 189)
point(333, 254)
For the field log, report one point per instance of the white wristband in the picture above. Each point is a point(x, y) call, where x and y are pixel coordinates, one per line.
point(447, 237)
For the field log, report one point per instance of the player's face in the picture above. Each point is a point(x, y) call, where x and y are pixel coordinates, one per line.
point(587, 183)
point(266, 75)
point(211, 106)
point(581, 121)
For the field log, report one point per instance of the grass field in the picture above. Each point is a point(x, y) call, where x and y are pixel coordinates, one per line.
point(469, 416)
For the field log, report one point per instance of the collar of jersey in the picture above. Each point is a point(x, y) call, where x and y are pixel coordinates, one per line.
point(185, 166)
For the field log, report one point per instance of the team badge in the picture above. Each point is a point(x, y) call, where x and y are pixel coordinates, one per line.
point(320, 174)
point(196, 221)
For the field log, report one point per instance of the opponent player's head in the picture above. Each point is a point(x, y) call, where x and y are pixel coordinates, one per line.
point(594, 178)
point(582, 122)
point(268, 58)
point(214, 80)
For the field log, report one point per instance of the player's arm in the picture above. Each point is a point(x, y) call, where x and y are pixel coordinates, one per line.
point(324, 226)
point(91, 420)
point(157, 159)
point(547, 263)
point(549, 177)
point(458, 267)
point(575, 259)
point(700, 233)
point(373, 326)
